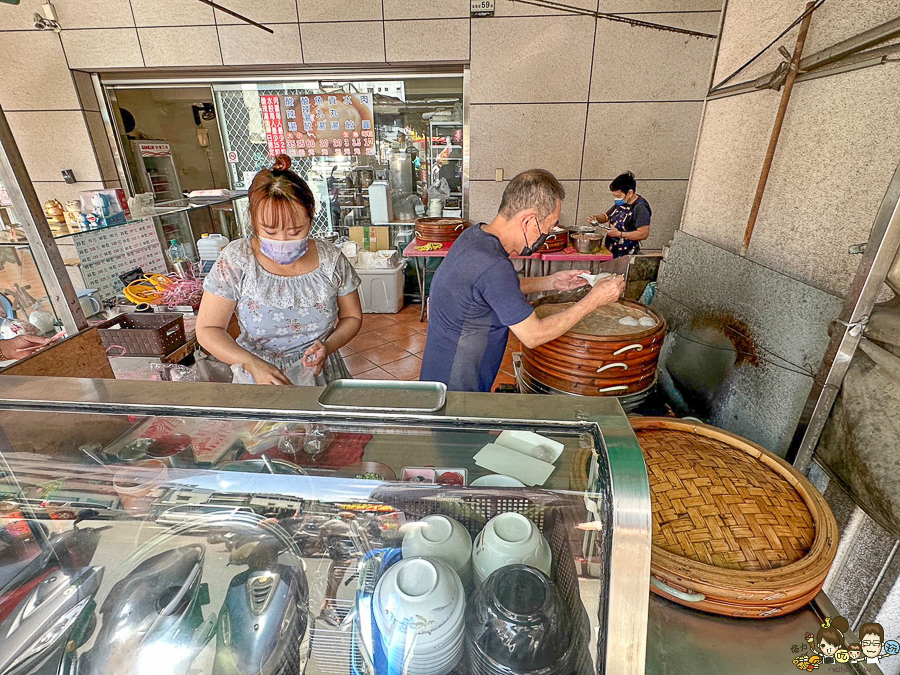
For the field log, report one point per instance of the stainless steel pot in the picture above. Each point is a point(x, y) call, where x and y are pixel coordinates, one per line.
point(586, 239)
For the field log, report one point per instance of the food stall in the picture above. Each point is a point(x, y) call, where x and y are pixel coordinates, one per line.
point(270, 529)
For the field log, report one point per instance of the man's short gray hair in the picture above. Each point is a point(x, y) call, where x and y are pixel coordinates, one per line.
point(535, 189)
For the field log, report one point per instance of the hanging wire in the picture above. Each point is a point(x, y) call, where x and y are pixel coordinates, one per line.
point(550, 4)
point(787, 30)
point(794, 367)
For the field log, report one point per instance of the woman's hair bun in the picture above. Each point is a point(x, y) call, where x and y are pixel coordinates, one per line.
point(282, 163)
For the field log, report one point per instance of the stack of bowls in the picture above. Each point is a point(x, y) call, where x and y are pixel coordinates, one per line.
point(509, 539)
point(517, 624)
point(442, 538)
point(419, 608)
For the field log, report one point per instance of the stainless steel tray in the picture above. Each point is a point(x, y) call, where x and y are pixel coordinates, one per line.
point(384, 395)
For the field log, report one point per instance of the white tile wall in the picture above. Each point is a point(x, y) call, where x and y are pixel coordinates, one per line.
point(427, 41)
point(357, 42)
point(94, 14)
point(188, 46)
point(103, 48)
point(271, 11)
point(531, 59)
point(171, 13)
point(51, 141)
point(247, 44)
point(33, 75)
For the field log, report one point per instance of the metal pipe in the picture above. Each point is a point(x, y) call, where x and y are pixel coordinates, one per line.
point(881, 249)
point(243, 18)
point(776, 130)
point(47, 258)
point(857, 43)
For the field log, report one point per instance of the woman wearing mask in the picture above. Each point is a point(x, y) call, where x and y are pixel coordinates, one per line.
point(295, 297)
point(629, 217)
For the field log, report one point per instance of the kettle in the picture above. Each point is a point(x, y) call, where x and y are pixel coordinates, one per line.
point(89, 304)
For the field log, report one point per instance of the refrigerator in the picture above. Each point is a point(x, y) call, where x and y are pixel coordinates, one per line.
point(156, 171)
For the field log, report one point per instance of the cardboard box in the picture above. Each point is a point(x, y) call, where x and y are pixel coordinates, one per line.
point(371, 237)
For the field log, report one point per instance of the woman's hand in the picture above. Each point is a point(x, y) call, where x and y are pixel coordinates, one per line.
point(615, 233)
point(21, 346)
point(568, 280)
point(314, 356)
point(264, 372)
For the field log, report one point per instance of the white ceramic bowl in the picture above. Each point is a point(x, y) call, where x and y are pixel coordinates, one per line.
point(442, 538)
point(420, 594)
point(509, 539)
point(497, 480)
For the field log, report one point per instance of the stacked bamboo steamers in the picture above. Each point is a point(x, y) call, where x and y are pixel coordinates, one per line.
point(611, 352)
point(736, 530)
point(439, 230)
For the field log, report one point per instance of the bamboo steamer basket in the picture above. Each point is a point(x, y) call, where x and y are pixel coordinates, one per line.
point(598, 356)
point(439, 230)
point(736, 530)
point(556, 241)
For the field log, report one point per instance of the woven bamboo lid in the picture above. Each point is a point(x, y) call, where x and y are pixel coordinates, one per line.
point(732, 522)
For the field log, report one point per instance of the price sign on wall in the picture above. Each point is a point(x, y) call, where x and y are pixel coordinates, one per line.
point(328, 124)
point(482, 7)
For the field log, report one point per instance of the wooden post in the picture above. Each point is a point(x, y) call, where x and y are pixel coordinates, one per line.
point(776, 130)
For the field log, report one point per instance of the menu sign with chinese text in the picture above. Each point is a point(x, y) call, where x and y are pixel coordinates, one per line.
point(271, 110)
point(322, 125)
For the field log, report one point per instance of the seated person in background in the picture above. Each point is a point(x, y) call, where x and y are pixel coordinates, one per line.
point(629, 217)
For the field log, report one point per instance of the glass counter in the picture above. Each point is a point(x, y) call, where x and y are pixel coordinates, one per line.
point(201, 528)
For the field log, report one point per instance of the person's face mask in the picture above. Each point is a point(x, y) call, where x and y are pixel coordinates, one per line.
point(621, 202)
point(536, 246)
point(283, 252)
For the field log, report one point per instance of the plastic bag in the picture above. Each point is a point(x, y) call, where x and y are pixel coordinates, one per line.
point(297, 373)
point(211, 370)
point(441, 190)
point(172, 372)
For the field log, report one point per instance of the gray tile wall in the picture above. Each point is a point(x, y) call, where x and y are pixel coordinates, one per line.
point(585, 99)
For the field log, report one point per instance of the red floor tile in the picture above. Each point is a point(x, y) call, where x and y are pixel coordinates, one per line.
point(346, 351)
point(414, 343)
point(357, 364)
point(376, 374)
point(378, 321)
point(396, 332)
point(406, 368)
point(386, 353)
point(366, 341)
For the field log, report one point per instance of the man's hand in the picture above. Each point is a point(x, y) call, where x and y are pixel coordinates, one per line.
point(606, 291)
point(568, 280)
point(21, 346)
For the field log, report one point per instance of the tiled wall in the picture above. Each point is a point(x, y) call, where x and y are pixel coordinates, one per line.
point(583, 98)
point(838, 149)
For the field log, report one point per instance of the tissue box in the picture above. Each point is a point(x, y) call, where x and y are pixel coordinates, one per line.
point(371, 237)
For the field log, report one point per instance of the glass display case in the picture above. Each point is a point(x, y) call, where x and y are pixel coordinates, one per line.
point(203, 528)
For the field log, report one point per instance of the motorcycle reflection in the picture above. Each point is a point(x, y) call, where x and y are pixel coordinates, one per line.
point(47, 607)
point(263, 620)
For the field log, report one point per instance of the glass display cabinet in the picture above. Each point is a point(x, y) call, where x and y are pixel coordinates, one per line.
point(204, 528)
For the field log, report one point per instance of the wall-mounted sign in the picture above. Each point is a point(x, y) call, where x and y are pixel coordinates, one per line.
point(232, 156)
point(482, 7)
point(322, 125)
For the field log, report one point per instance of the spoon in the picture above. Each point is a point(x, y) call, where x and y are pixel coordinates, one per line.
point(592, 279)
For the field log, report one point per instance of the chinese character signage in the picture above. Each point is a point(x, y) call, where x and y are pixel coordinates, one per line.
point(271, 110)
point(322, 125)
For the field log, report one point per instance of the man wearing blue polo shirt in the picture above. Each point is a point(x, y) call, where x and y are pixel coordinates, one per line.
point(477, 296)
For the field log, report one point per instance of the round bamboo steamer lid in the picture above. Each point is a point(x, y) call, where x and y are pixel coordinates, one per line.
point(732, 522)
